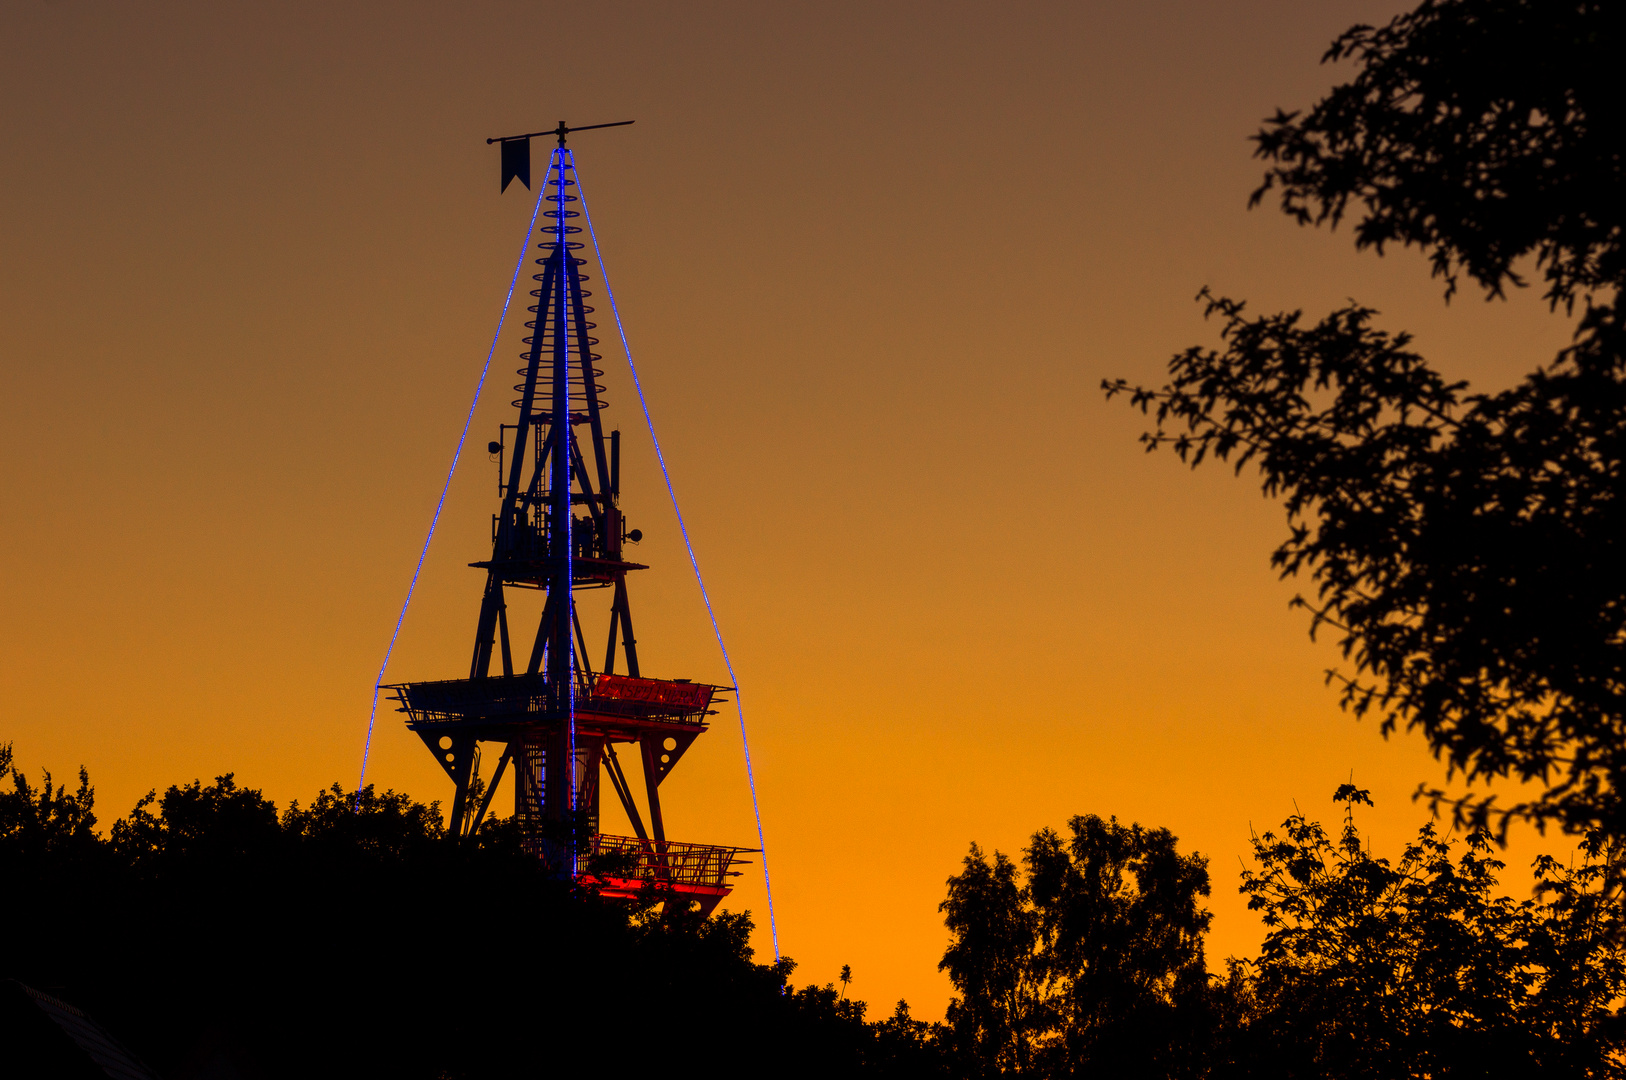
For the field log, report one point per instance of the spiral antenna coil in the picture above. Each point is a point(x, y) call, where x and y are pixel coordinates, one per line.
point(577, 390)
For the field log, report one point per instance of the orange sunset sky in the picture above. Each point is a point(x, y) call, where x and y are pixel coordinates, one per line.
point(874, 260)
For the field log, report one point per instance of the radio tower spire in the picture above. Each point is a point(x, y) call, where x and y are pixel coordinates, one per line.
point(559, 530)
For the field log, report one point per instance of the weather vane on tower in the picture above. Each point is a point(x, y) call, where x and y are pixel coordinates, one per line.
point(516, 149)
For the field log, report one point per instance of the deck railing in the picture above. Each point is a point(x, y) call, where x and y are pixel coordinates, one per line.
point(516, 697)
point(665, 862)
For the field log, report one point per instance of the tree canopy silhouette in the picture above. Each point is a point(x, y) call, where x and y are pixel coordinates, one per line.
point(1095, 964)
point(217, 937)
point(1416, 969)
point(353, 937)
point(1480, 131)
point(1371, 969)
point(45, 827)
point(1466, 547)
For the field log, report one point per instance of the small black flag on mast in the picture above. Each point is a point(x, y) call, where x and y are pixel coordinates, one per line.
point(516, 150)
point(516, 162)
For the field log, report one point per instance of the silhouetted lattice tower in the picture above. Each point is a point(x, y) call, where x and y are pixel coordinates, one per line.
point(559, 529)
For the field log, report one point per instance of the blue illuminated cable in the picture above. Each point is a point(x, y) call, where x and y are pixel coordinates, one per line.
point(564, 437)
point(739, 698)
point(372, 716)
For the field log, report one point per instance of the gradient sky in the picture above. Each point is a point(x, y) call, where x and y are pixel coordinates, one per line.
point(874, 260)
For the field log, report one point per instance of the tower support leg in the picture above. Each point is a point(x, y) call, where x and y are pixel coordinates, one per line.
point(485, 634)
point(623, 791)
point(626, 625)
point(502, 628)
point(609, 652)
point(543, 630)
point(496, 778)
point(652, 785)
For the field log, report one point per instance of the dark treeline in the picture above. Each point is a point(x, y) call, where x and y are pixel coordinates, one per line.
point(217, 937)
point(1087, 960)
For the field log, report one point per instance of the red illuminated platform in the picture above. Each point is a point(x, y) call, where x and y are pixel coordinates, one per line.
point(610, 704)
point(632, 866)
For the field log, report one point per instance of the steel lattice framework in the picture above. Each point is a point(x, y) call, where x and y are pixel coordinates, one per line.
point(559, 529)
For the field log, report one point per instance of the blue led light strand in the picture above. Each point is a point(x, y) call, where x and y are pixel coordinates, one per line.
point(566, 437)
point(372, 716)
point(739, 698)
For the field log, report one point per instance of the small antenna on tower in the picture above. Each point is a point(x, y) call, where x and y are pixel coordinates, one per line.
point(516, 149)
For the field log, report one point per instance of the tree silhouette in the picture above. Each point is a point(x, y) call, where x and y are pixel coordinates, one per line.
point(221, 827)
point(350, 937)
point(1480, 131)
point(998, 1017)
point(1415, 969)
point(1094, 965)
point(1466, 548)
point(1121, 935)
point(45, 827)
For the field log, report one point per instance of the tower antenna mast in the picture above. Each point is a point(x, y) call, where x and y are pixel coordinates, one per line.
point(559, 532)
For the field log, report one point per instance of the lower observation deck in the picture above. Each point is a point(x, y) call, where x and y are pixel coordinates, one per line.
point(626, 866)
point(614, 705)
